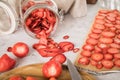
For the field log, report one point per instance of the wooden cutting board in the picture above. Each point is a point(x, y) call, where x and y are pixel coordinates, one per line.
point(35, 71)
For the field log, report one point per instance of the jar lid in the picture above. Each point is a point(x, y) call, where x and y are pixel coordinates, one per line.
point(8, 19)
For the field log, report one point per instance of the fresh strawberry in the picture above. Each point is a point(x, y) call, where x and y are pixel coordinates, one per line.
point(107, 64)
point(6, 63)
point(20, 49)
point(97, 56)
point(52, 69)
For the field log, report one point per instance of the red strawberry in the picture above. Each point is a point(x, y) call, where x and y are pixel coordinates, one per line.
point(6, 63)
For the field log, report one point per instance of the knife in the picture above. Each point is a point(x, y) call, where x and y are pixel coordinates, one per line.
point(73, 71)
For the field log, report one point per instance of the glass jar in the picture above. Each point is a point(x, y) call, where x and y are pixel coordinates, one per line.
point(38, 16)
point(110, 4)
point(8, 18)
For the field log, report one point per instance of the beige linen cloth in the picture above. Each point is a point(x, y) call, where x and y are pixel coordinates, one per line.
point(77, 8)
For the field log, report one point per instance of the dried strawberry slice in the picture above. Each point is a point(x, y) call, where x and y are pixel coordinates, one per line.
point(93, 35)
point(96, 31)
point(108, 56)
point(100, 17)
point(97, 56)
point(102, 46)
point(103, 11)
point(110, 25)
point(113, 50)
point(117, 62)
point(108, 34)
point(117, 26)
point(114, 45)
point(99, 26)
point(108, 64)
point(92, 41)
point(106, 40)
point(88, 47)
point(83, 60)
point(86, 53)
point(117, 56)
point(94, 63)
point(99, 66)
point(117, 41)
point(65, 37)
point(111, 18)
point(99, 21)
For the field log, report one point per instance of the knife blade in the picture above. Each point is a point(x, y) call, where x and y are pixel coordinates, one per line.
point(73, 71)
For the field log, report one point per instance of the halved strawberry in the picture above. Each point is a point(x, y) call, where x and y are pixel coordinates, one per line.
point(97, 56)
point(107, 64)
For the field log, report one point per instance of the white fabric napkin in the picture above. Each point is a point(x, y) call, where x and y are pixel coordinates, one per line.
point(77, 8)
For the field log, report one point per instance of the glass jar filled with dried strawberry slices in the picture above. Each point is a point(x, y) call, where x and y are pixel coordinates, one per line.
point(39, 17)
